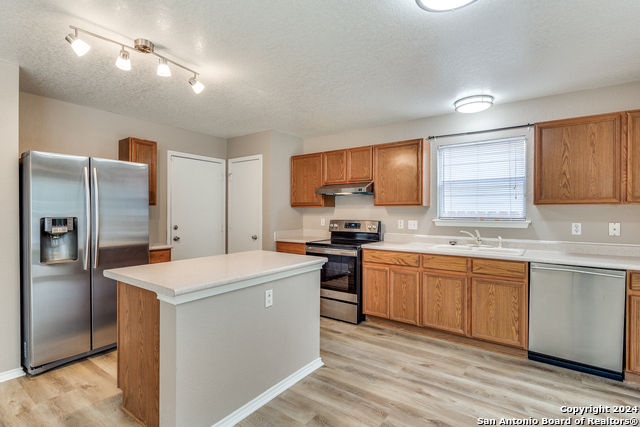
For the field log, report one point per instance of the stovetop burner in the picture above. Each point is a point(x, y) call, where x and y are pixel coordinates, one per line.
point(350, 234)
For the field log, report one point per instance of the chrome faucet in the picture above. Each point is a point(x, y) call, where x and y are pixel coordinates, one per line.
point(476, 237)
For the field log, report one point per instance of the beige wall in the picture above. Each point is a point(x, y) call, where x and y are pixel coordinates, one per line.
point(9, 209)
point(283, 216)
point(60, 127)
point(548, 222)
point(276, 149)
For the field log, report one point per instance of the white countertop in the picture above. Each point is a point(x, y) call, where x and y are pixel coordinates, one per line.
point(176, 278)
point(159, 246)
point(552, 257)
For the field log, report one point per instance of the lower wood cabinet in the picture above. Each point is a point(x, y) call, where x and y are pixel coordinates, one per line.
point(633, 343)
point(376, 291)
point(159, 255)
point(499, 311)
point(444, 304)
point(291, 248)
point(404, 297)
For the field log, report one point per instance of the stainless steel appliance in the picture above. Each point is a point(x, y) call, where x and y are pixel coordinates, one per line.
point(341, 276)
point(576, 318)
point(79, 216)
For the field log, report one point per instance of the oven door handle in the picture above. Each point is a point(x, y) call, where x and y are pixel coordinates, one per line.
point(329, 251)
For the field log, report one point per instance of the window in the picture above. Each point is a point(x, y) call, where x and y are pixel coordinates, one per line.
point(482, 180)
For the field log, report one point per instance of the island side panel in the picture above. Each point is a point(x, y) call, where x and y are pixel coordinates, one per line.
point(138, 353)
point(168, 365)
point(230, 348)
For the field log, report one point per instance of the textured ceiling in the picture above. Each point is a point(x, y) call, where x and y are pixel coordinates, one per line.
point(311, 68)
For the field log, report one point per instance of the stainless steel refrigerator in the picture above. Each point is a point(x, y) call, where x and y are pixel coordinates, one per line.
point(79, 216)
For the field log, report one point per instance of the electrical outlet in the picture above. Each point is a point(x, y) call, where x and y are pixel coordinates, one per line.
point(268, 298)
point(321, 221)
point(413, 225)
point(400, 223)
point(576, 228)
point(614, 229)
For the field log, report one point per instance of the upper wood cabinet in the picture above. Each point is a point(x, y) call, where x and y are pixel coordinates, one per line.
point(142, 151)
point(401, 173)
point(306, 178)
point(579, 161)
point(347, 166)
point(360, 164)
point(633, 156)
point(334, 167)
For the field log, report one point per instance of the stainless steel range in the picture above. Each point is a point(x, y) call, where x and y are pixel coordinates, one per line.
point(341, 279)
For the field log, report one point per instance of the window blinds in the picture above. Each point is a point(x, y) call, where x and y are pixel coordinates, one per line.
point(482, 180)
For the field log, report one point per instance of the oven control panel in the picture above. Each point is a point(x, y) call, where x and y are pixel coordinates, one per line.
point(355, 226)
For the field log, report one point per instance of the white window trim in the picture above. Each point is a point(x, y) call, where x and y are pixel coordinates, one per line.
point(501, 223)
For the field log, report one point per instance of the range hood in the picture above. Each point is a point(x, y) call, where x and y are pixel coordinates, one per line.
point(358, 189)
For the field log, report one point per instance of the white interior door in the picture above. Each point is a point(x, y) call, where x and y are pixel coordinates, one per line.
point(196, 205)
point(245, 204)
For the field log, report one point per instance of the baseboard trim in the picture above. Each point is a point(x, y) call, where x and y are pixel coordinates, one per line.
point(248, 409)
point(12, 374)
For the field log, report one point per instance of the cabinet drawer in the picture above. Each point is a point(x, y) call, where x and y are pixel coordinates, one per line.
point(291, 248)
point(392, 258)
point(446, 263)
point(499, 268)
point(160, 255)
point(634, 281)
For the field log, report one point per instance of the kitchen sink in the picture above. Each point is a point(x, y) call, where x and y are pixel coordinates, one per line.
point(479, 249)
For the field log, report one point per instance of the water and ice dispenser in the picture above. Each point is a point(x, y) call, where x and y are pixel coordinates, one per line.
point(58, 240)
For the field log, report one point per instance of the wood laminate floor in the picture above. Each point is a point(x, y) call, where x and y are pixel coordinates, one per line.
point(373, 376)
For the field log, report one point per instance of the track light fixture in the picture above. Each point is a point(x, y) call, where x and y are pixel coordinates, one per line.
point(163, 68)
point(124, 62)
point(80, 47)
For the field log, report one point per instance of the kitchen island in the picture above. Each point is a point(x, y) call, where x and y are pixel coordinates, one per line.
point(197, 345)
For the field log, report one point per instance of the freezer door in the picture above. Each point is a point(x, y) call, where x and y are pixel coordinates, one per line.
point(577, 314)
point(56, 292)
point(120, 238)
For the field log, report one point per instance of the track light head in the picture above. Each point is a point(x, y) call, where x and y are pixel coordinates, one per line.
point(163, 68)
point(196, 85)
point(123, 62)
point(80, 47)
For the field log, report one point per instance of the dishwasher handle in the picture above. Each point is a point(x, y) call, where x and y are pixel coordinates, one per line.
point(570, 269)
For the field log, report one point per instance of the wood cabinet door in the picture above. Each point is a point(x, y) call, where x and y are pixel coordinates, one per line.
point(445, 302)
point(306, 178)
point(142, 151)
point(578, 161)
point(360, 164)
point(400, 173)
point(405, 295)
point(334, 164)
point(499, 311)
point(633, 345)
point(633, 156)
point(375, 291)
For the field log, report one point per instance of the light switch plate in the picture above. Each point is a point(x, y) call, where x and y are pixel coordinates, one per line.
point(614, 229)
point(401, 223)
point(321, 221)
point(576, 228)
point(413, 225)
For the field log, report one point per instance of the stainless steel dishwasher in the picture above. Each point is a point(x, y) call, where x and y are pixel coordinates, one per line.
point(576, 318)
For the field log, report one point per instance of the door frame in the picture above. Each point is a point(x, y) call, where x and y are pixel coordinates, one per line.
point(223, 162)
point(244, 159)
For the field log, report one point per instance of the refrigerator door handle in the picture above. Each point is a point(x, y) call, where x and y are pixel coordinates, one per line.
point(87, 199)
point(96, 252)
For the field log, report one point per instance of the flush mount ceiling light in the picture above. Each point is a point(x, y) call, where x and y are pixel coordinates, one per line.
point(124, 62)
point(443, 5)
point(473, 104)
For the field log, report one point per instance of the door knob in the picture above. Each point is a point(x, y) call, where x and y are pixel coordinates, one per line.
point(254, 237)
point(176, 239)
point(175, 227)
